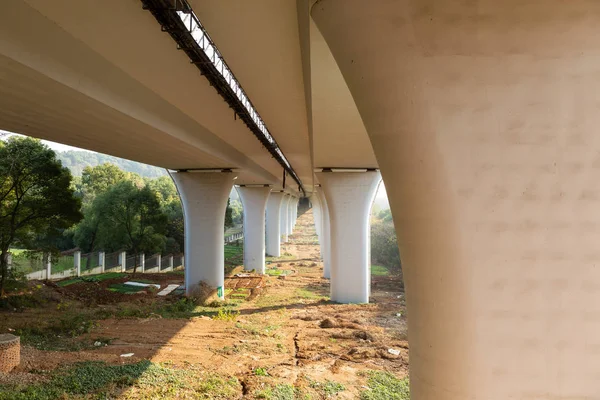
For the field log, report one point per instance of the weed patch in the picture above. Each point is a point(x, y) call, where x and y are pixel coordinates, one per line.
point(385, 386)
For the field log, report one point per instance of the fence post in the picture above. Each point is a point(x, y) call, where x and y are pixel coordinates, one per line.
point(143, 262)
point(77, 262)
point(159, 262)
point(9, 260)
point(123, 257)
point(48, 266)
point(171, 262)
point(102, 261)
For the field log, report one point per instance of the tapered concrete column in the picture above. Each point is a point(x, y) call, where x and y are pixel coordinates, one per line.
point(273, 234)
point(325, 240)
point(290, 215)
point(317, 215)
point(295, 211)
point(483, 117)
point(349, 197)
point(254, 200)
point(204, 197)
point(284, 217)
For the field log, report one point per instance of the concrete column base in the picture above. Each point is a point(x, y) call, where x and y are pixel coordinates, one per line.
point(254, 200)
point(204, 197)
point(273, 233)
point(349, 197)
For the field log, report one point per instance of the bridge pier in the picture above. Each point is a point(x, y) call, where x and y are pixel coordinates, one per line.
point(273, 234)
point(290, 215)
point(254, 200)
point(349, 197)
point(204, 196)
point(483, 117)
point(325, 239)
point(284, 217)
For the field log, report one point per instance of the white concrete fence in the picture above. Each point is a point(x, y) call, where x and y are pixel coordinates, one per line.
point(100, 262)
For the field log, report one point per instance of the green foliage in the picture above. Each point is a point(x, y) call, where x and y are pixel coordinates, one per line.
point(59, 335)
point(384, 244)
point(237, 212)
point(228, 215)
point(127, 289)
point(37, 202)
point(385, 386)
point(132, 219)
point(379, 270)
point(261, 372)
point(278, 392)
point(77, 161)
point(328, 388)
point(226, 315)
point(99, 380)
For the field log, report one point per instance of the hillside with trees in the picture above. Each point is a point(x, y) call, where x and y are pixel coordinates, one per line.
point(76, 161)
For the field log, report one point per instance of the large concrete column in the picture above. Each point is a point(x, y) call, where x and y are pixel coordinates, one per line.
point(349, 197)
point(273, 233)
point(204, 198)
point(284, 217)
point(325, 239)
point(296, 211)
point(317, 215)
point(254, 200)
point(290, 215)
point(484, 116)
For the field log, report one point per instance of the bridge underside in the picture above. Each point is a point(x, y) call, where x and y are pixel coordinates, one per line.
point(481, 116)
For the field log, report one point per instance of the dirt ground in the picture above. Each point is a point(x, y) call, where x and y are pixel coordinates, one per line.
point(286, 326)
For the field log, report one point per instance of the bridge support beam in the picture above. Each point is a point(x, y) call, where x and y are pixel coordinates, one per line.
point(325, 239)
point(204, 196)
point(273, 235)
point(483, 117)
point(284, 217)
point(254, 200)
point(349, 197)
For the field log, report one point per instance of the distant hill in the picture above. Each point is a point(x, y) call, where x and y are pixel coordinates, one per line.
point(76, 161)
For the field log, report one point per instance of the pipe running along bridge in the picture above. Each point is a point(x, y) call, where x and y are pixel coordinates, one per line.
point(481, 115)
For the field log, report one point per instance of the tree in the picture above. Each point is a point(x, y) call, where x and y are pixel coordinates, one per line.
point(37, 202)
point(228, 215)
point(131, 218)
point(384, 243)
point(94, 181)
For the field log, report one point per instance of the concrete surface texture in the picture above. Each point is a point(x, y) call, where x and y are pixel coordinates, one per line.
point(254, 200)
point(349, 197)
point(204, 197)
point(483, 118)
point(273, 224)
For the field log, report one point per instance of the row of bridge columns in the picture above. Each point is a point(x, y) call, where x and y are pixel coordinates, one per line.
point(341, 208)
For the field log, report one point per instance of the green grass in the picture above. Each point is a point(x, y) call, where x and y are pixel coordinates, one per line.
point(278, 392)
point(385, 386)
point(62, 264)
point(379, 270)
point(328, 388)
point(58, 336)
point(142, 380)
point(127, 289)
point(91, 278)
